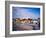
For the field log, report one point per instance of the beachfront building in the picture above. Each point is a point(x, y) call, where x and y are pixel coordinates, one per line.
point(27, 21)
point(23, 20)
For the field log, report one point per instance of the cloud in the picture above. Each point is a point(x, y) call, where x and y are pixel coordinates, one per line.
point(24, 13)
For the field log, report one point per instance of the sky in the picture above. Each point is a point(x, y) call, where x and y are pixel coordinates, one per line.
point(25, 12)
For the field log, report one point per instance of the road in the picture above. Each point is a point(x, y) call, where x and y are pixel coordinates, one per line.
point(26, 27)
